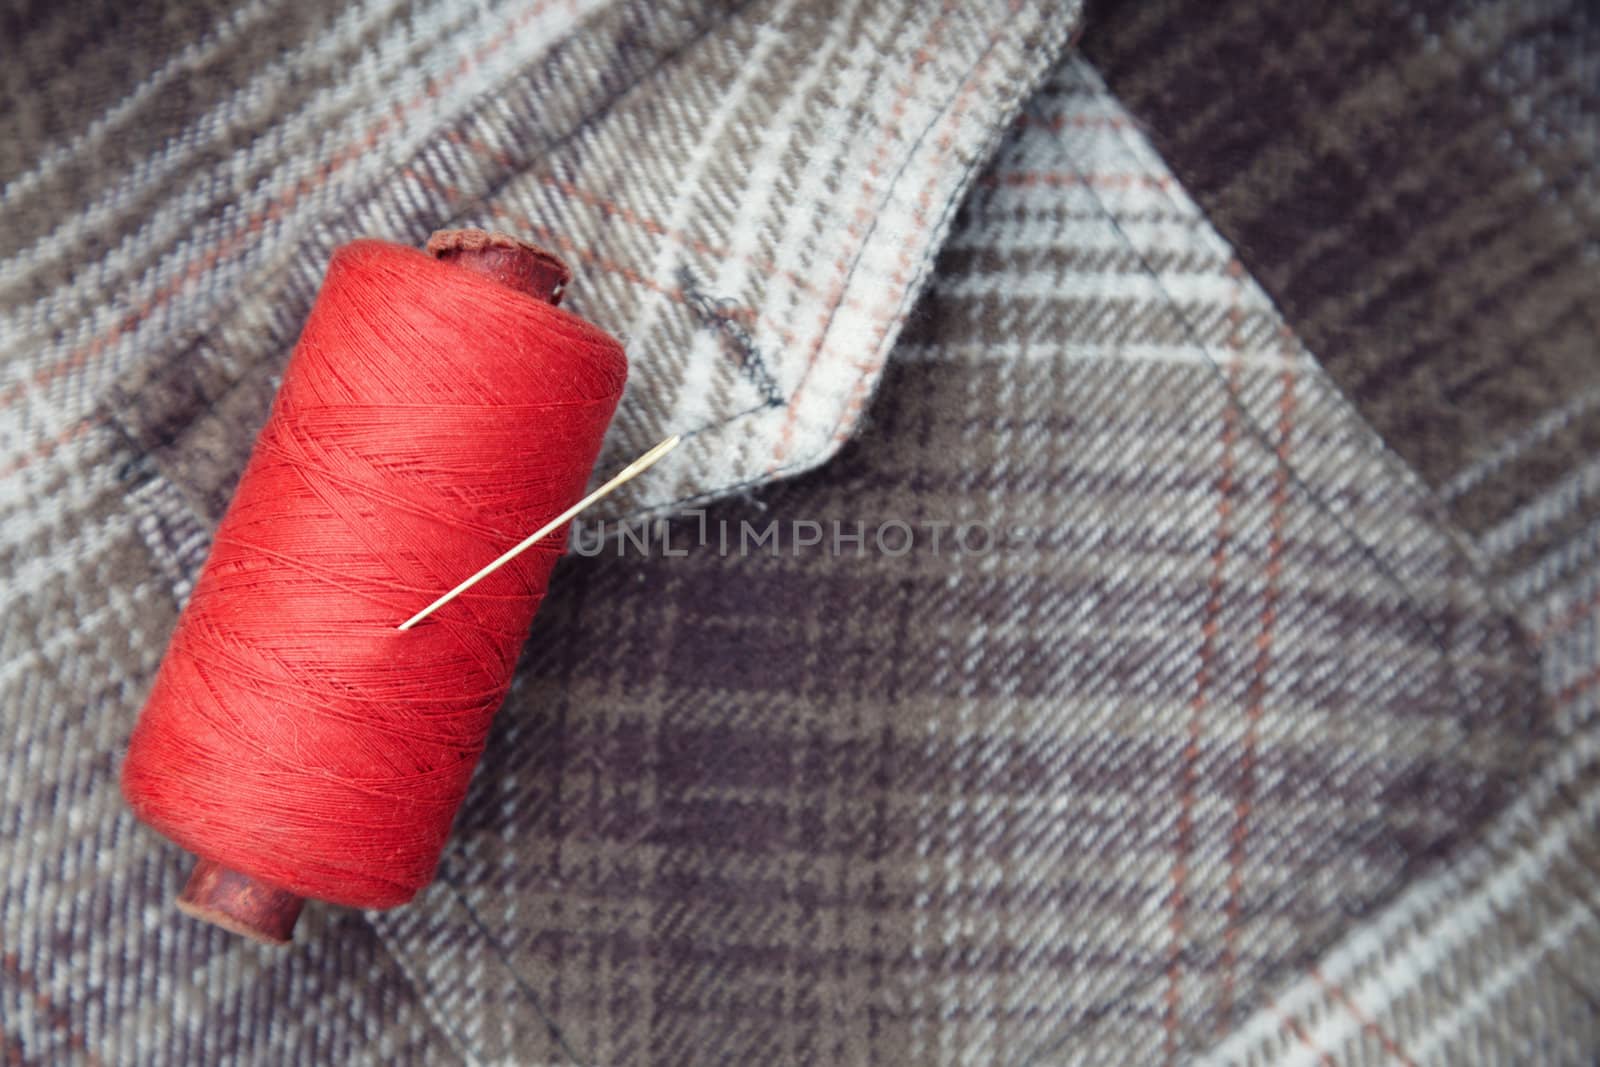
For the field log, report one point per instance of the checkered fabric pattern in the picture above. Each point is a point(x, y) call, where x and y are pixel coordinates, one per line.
point(1233, 740)
point(1223, 685)
point(1496, 957)
point(751, 193)
point(1422, 200)
point(1418, 185)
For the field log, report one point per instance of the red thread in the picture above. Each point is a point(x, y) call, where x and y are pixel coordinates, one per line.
point(429, 418)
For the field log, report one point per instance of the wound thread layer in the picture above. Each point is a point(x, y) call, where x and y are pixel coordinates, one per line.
point(428, 418)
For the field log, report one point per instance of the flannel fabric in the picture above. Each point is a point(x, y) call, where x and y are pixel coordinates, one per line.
point(751, 193)
point(1422, 201)
point(1418, 185)
point(1214, 727)
point(1221, 686)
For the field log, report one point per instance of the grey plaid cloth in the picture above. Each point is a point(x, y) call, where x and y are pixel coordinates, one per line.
point(1118, 695)
point(751, 194)
point(1424, 202)
point(1220, 687)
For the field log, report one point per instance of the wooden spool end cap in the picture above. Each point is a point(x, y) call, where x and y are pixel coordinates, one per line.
point(239, 903)
point(511, 261)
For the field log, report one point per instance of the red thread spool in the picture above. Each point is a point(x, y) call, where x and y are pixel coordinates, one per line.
point(434, 412)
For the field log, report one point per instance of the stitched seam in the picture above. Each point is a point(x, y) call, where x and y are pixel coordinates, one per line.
point(229, 242)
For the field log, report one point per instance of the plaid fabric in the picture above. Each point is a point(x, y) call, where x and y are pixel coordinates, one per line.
point(1221, 687)
point(1496, 958)
point(750, 192)
point(1421, 198)
point(1218, 740)
point(1417, 184)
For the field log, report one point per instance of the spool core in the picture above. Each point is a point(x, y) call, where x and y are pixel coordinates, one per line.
point(236, 901)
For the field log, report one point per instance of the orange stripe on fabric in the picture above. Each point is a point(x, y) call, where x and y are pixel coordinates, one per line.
point(59, 1018)
point(275, 209)
point(566, 244)
point(1292, 1024)
point(1389, 1044)
point(1256, 704)
point(644, 222)
point(1197, 709)
point(842, 264)
point(45, 449)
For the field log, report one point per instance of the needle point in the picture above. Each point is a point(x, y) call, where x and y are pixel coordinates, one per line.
point(631, 471)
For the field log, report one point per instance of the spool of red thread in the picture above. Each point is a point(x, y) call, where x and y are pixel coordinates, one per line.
point(436, 409)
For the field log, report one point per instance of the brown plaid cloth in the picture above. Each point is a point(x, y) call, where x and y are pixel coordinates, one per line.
point(1422, 198)
point(752, 193)
point(1207, 729)
point(1222, 685)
